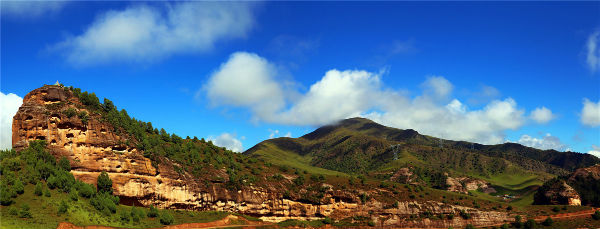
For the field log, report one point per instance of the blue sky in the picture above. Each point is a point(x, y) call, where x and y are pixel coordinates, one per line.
point(240, 73)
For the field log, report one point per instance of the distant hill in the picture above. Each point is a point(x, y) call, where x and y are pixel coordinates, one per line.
point(361, 146)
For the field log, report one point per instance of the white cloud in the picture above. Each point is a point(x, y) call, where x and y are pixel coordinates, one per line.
point(542, 115)
point(247, 80)
point(273, 133)
point(30, 9)
point(590, 114)
point(288, 135)
point(545, 142)
point(595, 151)
point(593, 51)
point(9, 104)
point(143, 33)
point(228, 141)
point(437, 86)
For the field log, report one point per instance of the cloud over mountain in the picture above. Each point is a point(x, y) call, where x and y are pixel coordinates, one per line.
point(249, 81)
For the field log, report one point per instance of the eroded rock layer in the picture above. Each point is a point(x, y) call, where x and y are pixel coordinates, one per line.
point(93, 145)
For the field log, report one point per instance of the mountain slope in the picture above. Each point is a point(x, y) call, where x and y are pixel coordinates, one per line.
point(361, 146)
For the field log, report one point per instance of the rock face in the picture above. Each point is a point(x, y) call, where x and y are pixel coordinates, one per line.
point(558, 192)
point(94, 146)
point(466, 184)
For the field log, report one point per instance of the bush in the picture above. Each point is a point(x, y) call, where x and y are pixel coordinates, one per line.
point(166, 219)
point(469, 226)
point(70, 112)
point(47, 192)
point(518, 222)
point(327, 220)
point(39, 189)
point(153, 213)
point(73, 195)
point(64, 163)
point(509, 208)
point(86, 190)
point(530, 224)
point(104, 183)
point(13, 211)
point(596, 215)
point(137, 214)
point(84, 117)
point(6, 194)
point(105, 203)
point(18, 187)
point(62, 207)
point(371, 223)
point(555, 209)
point(464, 214)
point(548, 222)
point(504, 226)
point(24, 212)
point(124, 216)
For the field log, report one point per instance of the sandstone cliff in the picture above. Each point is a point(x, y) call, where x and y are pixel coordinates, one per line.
point(94, 145)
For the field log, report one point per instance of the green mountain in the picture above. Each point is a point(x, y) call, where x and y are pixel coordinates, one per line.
point(359, 146)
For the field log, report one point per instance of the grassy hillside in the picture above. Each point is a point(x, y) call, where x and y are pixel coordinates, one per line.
point(359, 146)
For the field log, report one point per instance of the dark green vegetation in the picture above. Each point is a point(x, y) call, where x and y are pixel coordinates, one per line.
point(37, 192)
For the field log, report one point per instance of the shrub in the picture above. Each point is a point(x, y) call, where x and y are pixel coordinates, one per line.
point(137, 214)
point(504, 226)
point(530, 224)
point(327, 220)
point(64, 163)
point(469, 226)
point(47, 192)
point(73, 195)
point(124, 216)
point(24, 212)
point(62, 207)
point(518, 222)
point(555, 209)
point(153, 212)
point(86, 190)
point(39, 189)
point(464, 214)
point(371, 223)
point(596, 215)
point(299, 181)
point(84, 117)
point(13, 211)
point(450, 216)
point(104, 183)
point(18, 187)
point(104, 202)
point(509, 208)
point(6, 194)
point(548, 222)
point(70, 112)
point(166, 219)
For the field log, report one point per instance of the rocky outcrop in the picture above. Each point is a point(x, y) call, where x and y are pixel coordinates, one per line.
point(466, 184)
point(93, 145)
point(557, 192)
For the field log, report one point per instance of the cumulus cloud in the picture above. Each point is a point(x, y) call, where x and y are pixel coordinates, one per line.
point(247, 80)
point(228, 141)
point(9, 104)
point(595, 151)
point(542, 115)
point(593, 51)
point(590, 114)
point(30, 9)
point(545, 142)
point(143, 33)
